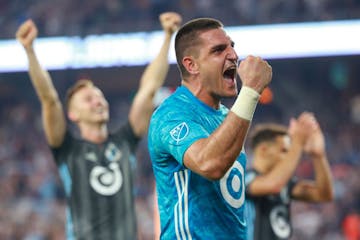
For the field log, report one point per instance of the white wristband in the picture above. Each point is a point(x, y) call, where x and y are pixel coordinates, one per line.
point(245, 104)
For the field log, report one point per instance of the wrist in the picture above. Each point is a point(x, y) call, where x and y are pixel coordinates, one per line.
point(317, 154)
point(246, 102)
point(168, 33)
point(29, 48)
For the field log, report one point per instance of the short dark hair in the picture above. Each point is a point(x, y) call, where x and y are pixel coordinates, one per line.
point(76, 87)
point(188, 37)
point(266, 132)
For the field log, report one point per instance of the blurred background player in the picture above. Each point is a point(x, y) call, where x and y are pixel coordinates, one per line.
point(96, 167)
point(270, 184)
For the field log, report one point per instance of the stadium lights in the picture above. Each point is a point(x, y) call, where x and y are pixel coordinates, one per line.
point(314, 39)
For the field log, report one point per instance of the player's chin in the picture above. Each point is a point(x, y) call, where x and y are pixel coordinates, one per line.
point(104, 119)
point(231, 92)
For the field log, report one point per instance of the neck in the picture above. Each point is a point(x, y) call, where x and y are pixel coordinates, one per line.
point(200, 92)
point(94, 133)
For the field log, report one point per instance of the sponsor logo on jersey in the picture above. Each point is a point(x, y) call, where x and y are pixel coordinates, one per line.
point(232, 186)
point(107, 180)
point(279, 222)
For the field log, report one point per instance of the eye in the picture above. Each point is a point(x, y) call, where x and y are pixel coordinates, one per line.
point(88, 98)
point(284, 150)
point(219, 48)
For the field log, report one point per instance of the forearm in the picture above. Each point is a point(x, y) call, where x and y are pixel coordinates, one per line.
point(318, 190)
point(155, 73)
point(273, 181)
point(283, 171)
point(52, 114)
point(151, 80)
point(323, 178)
point(40, 79)
point(212, 157)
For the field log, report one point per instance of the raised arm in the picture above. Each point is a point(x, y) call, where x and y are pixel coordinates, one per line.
point(273, 181)
point(52, 113)
point(212, 157)
point(153, 77)
point(321, 189)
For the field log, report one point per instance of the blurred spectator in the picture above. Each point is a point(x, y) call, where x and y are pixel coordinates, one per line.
point(66, 17)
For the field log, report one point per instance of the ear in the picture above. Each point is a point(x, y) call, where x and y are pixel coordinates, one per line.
point(190, 64)
point(262, 148)
point(73, 116)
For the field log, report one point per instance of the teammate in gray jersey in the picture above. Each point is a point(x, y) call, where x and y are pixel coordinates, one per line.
point(96, 168)
point(270, 184)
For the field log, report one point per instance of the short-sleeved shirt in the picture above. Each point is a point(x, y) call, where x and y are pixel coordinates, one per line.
point(268, 216)
point(191, 206)
point(98, 183)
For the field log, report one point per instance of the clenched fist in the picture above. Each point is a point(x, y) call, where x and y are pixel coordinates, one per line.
point(170, 21)
point(26, 33)
point(255, 73)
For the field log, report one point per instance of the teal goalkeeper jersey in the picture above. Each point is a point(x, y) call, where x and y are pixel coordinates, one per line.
point(191, 206)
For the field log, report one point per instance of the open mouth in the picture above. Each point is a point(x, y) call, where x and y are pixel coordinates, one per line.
point(230, 73)
point(100, 110)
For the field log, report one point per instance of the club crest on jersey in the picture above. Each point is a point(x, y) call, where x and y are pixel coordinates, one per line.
point(179, 132)
point(112, 153)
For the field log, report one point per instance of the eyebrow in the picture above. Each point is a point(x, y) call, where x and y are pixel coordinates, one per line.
point(222, 46)
point(218, 47)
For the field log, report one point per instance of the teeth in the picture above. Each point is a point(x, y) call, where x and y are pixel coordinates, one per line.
point(230, 71)
point(231, 68)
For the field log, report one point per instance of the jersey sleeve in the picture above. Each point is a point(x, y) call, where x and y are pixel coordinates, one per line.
point(292, 183)
point(64, 147)
point(126, 132)
point(175, 133)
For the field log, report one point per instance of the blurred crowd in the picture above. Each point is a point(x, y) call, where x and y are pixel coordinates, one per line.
point(80, 17)
point(31, 197)
point(32, 200)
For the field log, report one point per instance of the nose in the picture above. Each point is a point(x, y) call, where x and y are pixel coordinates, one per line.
point(232, 55)
point(97, 100)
